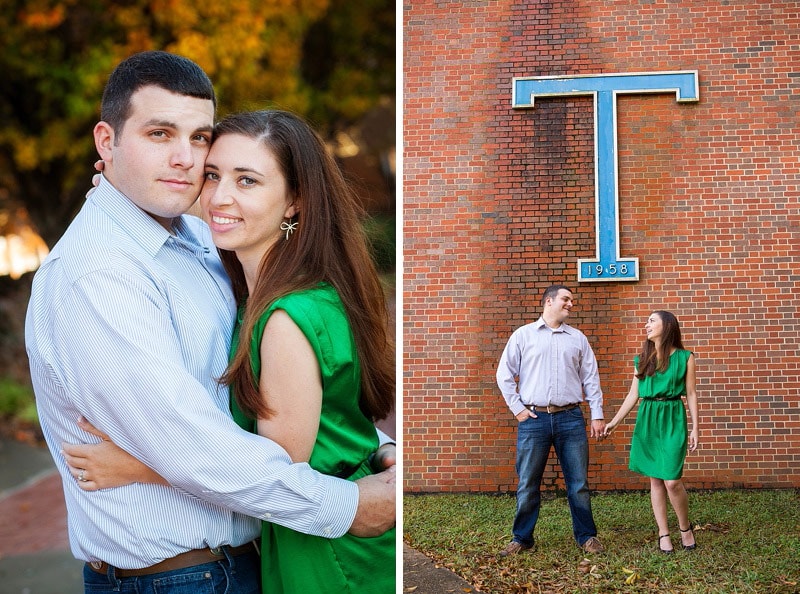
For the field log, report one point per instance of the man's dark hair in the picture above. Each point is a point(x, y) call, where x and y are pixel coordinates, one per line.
point(551, 292)
point(152, 68)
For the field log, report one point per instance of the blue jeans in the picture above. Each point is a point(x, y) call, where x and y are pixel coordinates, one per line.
point(566, 431)
point(232, 575)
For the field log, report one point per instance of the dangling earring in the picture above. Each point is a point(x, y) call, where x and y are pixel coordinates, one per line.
point(289, 228)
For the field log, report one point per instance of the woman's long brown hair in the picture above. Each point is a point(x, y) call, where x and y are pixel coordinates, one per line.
point(650, 360)
point(328, 245)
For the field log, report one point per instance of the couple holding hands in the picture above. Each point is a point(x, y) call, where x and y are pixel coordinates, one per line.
point(547, 368)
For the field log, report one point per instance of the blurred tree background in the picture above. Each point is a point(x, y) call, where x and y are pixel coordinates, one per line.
point(332, 61)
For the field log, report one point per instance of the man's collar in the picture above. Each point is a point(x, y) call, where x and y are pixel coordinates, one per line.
point(139, 225)
point(540, 323)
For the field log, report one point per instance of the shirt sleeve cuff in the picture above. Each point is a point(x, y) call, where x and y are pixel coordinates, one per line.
point(597, 411)
point(338, 511)
point(517, 408)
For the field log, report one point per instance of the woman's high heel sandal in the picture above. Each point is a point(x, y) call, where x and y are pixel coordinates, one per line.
point(665, 551)
point(690, 547)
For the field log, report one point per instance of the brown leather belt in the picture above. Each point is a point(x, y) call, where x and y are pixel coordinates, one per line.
point(182, 561)
point(552, 409)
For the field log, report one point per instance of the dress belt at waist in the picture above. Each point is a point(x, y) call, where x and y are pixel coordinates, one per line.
point(552, 409)
point(181, 561)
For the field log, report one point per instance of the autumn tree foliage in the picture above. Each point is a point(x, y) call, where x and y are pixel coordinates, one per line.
point(330, 60)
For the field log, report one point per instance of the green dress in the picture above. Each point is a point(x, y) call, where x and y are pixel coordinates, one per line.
point(296, 563)
point(658, 446)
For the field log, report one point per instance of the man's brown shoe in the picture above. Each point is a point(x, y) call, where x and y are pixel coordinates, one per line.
point(593, 545)
point(513, 548)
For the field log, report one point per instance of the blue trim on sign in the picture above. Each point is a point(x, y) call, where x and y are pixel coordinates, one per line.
point(604, 88)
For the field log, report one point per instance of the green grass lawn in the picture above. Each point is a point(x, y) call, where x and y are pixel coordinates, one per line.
point(748, 541)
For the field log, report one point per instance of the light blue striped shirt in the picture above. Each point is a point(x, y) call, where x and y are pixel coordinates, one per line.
point(543, 366)
point(128, 326)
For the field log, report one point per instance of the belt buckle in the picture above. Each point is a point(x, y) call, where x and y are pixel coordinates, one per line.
point(548, 409)
point(97, 565)
point(216, 551)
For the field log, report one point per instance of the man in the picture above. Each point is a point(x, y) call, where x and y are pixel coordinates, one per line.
point(546, 369)
point(129, 325)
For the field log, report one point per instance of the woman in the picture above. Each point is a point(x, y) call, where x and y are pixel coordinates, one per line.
point(664, 372)
point(311, 366)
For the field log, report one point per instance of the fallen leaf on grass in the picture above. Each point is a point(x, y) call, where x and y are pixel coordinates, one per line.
point(724, 528)
point(586, 566)
point(632, 575)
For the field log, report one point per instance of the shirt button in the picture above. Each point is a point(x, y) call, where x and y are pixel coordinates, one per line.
point(327, 531)
point(266, 516)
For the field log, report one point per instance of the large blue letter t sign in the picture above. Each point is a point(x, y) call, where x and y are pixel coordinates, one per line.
point(604, 88)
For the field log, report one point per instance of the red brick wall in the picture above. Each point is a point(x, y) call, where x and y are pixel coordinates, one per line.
point(499, 203)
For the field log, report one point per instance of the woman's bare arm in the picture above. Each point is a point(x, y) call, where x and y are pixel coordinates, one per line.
point(291, 384)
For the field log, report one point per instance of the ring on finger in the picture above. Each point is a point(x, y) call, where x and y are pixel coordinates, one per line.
point(81, 476)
